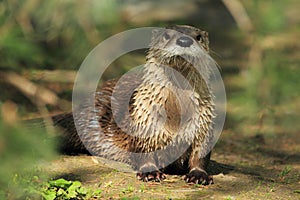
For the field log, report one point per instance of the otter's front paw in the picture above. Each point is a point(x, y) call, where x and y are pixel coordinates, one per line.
point(198, 176)
point(156, 176)
point(149, 172)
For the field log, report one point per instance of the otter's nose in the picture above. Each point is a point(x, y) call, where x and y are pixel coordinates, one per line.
point(184, 41)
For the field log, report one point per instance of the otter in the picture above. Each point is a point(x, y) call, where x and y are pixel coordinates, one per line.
point(158, 120)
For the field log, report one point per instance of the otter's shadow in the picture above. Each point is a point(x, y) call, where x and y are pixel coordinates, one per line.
point(215, 168)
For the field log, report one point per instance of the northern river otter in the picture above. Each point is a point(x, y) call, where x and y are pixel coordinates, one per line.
point(158, 120)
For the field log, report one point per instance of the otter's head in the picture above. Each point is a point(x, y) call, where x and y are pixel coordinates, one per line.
point(178, 45)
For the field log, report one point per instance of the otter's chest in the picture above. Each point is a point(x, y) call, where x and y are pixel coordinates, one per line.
point(162, 112)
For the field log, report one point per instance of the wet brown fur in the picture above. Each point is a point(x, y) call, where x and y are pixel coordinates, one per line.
point(137, 132)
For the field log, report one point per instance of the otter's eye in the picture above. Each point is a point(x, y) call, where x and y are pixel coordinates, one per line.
point(166, 36)
point(199, 37)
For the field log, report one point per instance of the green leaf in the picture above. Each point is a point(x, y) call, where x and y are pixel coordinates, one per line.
point(83, 191)
point(75, 184)
point(62, 183)
point(72, 190)
point(49, 195)
point(97, 192)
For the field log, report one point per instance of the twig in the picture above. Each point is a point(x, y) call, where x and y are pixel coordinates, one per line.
point(239, 14)
point(9, 112)
point(38, 95)
point(30, 89)
point(61, 76)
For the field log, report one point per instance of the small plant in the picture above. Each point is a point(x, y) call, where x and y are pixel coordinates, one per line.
point(131, 198)
point(229, 198)
point(63, 189)
point(142, 188)
point(127, 190)
point(285, 171)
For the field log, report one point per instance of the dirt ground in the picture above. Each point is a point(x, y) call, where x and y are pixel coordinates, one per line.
point(256, 166)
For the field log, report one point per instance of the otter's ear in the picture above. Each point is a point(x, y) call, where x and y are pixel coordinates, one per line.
point(205, 33)
point(157, 32)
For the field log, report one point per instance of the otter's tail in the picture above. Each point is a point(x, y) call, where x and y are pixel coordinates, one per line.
point(68, 139)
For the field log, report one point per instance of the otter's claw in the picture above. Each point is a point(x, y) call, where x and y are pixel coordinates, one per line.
point(156, 176)
point(198, 177)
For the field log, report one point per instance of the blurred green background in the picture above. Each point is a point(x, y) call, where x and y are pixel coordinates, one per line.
point(43, 43)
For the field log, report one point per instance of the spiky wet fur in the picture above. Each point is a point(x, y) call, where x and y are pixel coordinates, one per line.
point(170, 111)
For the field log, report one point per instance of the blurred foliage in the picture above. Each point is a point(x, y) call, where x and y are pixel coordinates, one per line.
point(270, 95)
point(21, 150)
point(52, 34)
point(268, 16)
